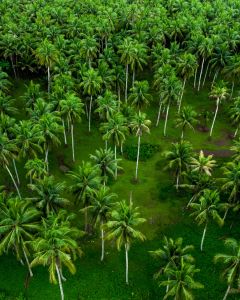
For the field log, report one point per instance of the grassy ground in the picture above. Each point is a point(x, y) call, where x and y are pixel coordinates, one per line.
point(160, 204)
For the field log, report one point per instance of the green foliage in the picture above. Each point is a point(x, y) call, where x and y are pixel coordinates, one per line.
point(146, 151)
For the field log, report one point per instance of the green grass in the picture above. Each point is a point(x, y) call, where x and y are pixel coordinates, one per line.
point(159, 203)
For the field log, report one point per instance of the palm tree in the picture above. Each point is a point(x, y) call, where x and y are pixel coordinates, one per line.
point(186, 118)
point(187, 66)
point(234, 113)
point(236, 149)
point(139, 59)
point(139, 94)
point(88, 49)
point(48, 194)
point(32, 94)
point(179, 158)
point(207, 209)
point(102, 203)
point(56, 247)
point(4, 82)
point(139, 125)
point(7, 105)
point(72, 108)
point(231, 261)
point(91, 83)
point(121, 227)
point(203, 164)
point(105, 161)
point(181, 281)
point(219, 92)
point(116, 130)
point(19, 221)
point(50, 129)
point(8, 152)
point(107, 105)
point(85, 180)
point(36, 169)
point(47, 55)
point(127, 52)
point(171, 254)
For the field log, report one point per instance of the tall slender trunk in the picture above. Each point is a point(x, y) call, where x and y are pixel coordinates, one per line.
point(195, 78)
point(203, 236)
point(232, 89)
point(126, 256)
point(133, 77)
point(214, 78)
point(14, 182)
point(115, 157)
point(46, 158)
point(13, 67)
point(182, 134)
point(205, 76)
point(126, 83)
point(73, 151)
point(64, 132)
point(177, 181)
point(60, 282)
point(119, 97)
point(49, 80)
point(102, 238)
point(89, 115)
point(86, 219)
point(236, 132)
point(159, 112)
point(138, 152)
point(30, 178)
point(16, 171)
point(200, 76)
point(215, 115)
point(86, 109)
point(106, 144)
point(225, 215)
point(180, 100)
point(166, 119)
point(27, 261)
point(227, 292)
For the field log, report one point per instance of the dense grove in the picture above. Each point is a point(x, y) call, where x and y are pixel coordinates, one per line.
point(119, 125)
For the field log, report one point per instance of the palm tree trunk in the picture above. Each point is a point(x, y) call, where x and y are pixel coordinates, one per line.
point(119, 97)
point(236, 131)
point(89, 115)
point(86, 109)
point(177, 181)
point(205, 76)
point(60, 282)
point(49, 79)
point(106, 144)
point(203, 236)
point(225, 215)
point(195, 78)
point(182, 134)
point(166, 119)
point(27, 261)
point(73, 151)
point(86, 219)
point(138, 152)
point(13, 67)
point(64, 132)
point(133, 77)
point(227, 292)
point(46, 158)
point(233, 83)
point(115, 156)
point(16, 171)
point(159, 112)
point(102, 238)
point(126, 256)
point(200, 76)
point(214, 78)
point(180, 100)
point(126, 83)
point(215, 115)
point(14, 182)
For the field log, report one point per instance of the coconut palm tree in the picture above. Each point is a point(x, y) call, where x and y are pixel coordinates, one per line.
point(219, 92)
point(91, 83)
point(72, 108)
point(139, 96)
point(36, 169)
point(8, 152)
point(206, 210)
point(40, 108)
point(231, 262)
point(105, 161)
point(236, 149)
point(203, 164)
point(181, 281)
point(19, 221)
point(56, 247)
point(187, 117)
point(48, 194)
point(107, 105)
point(50, 129)
point(7, 105)
point(121, 227)
point(101, 206)
point(85, 180)
point(139, 125)
point(32, 93)
point(234, 113)
point(179, 158)
point(47, 54)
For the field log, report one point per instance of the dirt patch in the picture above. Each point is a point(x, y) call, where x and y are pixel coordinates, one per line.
point(218, 153)
point(203, 128)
